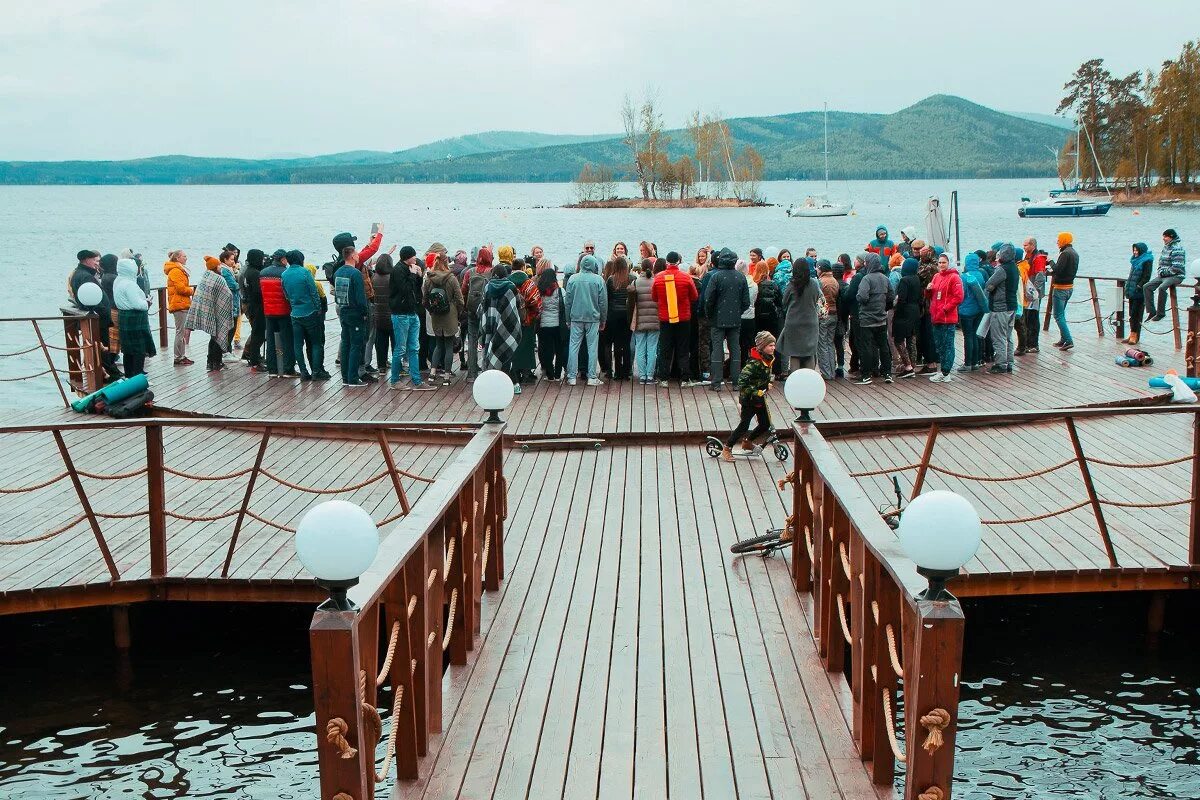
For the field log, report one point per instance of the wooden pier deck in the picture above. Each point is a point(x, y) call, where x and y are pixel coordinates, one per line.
point(625, 652)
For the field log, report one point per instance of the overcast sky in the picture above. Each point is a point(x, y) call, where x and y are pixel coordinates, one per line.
point(128, 78)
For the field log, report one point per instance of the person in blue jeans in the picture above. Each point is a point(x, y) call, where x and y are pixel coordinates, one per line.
point(1066, 266)
point(350, 294)
point(587, 313)
point(308, 321)
point(404, 303)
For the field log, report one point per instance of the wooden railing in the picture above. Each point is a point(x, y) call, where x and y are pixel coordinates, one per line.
point(866, 607)
point(1117, 315)
point(903, 653)
point(81, 344)
point(142, 470)
point(420, 599)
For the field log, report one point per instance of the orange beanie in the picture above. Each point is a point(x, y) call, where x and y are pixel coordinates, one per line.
point(212, 263)
point(1064, 239)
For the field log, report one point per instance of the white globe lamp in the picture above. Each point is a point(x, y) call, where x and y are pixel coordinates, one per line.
point(337, 541)
point(89, 295)
point(493, 392)
point(804, 390)
point(940, 532)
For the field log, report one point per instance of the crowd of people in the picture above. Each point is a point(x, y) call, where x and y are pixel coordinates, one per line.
point(891, 311)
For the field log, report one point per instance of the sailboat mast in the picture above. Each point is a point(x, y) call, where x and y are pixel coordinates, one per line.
point(827, 148)
point(1078, 176)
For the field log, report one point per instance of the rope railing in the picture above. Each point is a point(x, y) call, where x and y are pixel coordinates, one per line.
point(1036, 517)
point(1161, 504)
point(191, 476)
point(317, 490)
point(1151, 465)
point(845, 625)
point(27, 377)
point(884, 471)
point(20, 352)
point(393, 640)
point(119, 476)
point(889, 719)
point(893, 655)
point(1002, 478)
point(47, 535)
point(34, 486)
point(450, 620)
point(449, 559)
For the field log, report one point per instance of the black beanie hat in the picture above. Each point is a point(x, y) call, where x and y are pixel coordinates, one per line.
point(254, 258)
point(407, 252)
point(343, 240)
point(83, 255)
point(295, 257)
point(1171, 232)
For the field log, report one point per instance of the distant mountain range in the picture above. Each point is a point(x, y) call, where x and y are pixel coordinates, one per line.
point(941, 136)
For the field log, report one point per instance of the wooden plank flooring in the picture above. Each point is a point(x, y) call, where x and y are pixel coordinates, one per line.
point(1085, 376)
point(628, 654)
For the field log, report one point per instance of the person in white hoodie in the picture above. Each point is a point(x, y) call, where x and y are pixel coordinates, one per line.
point(133, 317)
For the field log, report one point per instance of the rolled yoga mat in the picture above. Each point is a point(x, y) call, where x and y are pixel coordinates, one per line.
point(114, 392)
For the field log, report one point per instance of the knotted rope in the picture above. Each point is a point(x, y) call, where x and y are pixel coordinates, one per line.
point(841, 609)
point(786, 479)
point(335, 734)
point(449, 556)
point(932, 793)
point(935, 722)
point(844, 559)
point(487, 543)
point(893, 655)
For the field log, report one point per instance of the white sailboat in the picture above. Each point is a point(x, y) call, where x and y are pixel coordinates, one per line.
point(819, 205)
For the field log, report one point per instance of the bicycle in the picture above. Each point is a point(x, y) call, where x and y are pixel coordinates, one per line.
point(775, 538)
point(713, 446)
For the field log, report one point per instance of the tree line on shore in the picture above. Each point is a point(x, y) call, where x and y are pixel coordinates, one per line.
point(1142, 127)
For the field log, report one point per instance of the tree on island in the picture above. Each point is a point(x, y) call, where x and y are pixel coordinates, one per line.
point(715, 161)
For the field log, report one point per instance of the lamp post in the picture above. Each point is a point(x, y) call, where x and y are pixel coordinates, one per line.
point(804, 390)
point(940, 532)
point(337, 541)
point(493, 392)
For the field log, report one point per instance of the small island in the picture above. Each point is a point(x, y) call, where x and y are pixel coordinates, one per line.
point(715, 175)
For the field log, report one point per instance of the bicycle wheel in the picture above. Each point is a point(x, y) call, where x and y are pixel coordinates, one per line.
point(759, 544)
point(713, 447)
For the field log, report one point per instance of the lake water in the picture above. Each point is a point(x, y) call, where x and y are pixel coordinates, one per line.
point(221, 705)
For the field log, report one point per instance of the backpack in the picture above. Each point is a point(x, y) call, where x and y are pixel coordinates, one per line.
point(437, 302)
point(476, 284)
point(766, 305)
point(329, 268)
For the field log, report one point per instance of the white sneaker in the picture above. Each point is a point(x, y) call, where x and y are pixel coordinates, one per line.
point(595, 382)
point(936, 378)
point(947, 379)
point(571, 381)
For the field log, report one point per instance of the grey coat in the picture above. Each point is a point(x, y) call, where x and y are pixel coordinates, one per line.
point(798, 338)
point(874, 294)
point(444, 324)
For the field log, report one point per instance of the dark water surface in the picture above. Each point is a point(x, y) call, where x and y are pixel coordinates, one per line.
point(1062, 698)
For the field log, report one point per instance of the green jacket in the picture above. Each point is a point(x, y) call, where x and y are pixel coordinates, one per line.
point(755, 377)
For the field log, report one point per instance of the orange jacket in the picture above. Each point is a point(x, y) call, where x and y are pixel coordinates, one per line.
point(179, 289)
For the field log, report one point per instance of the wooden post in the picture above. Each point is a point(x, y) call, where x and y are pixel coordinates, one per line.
point(931, 678)
point(400, 676)
point(804, 528)
point(86, 505)
point(860, 618)
point(93, 365)
point(386, 447)
point(122, 637)
point(837, 594)
point(460, 632)
point(1194, 520)
point(237, 528)
point(1049, 307)
point(156, 493)
point(882, 762)
point(418, 634)
point(919, 480)
point(333, 639)
point(497, 546)
point(435, 602)
point(1096, 308)
point(1121, 309)
point(50, 363)
point(1101, 523)
point(1175, 320)
point(1193, 340)
point(162, 319)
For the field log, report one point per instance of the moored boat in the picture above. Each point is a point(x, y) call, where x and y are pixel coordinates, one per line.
point(1064, 203)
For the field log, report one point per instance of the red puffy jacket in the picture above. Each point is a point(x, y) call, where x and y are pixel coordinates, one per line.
point(674, 291)
point(270, 284)
point(945, 293)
